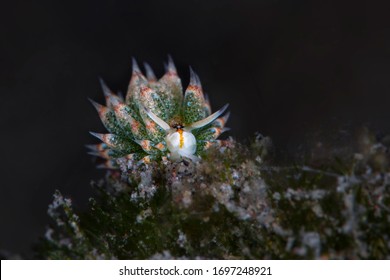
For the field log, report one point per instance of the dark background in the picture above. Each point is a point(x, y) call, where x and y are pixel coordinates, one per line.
point(286, 68)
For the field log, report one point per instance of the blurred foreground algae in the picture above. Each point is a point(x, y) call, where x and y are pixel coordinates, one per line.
point(236, 203)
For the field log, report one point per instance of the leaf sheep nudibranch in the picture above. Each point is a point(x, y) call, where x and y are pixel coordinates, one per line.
point(156, 121)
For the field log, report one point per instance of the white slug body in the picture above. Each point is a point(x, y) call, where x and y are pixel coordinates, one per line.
point(181, 144)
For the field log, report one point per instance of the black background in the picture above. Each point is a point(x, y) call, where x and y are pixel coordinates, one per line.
point(285, 67)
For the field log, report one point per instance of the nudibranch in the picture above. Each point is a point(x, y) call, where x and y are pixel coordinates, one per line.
point(155, 121)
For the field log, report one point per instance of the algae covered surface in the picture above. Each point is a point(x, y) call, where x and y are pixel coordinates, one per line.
point(238, 202)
